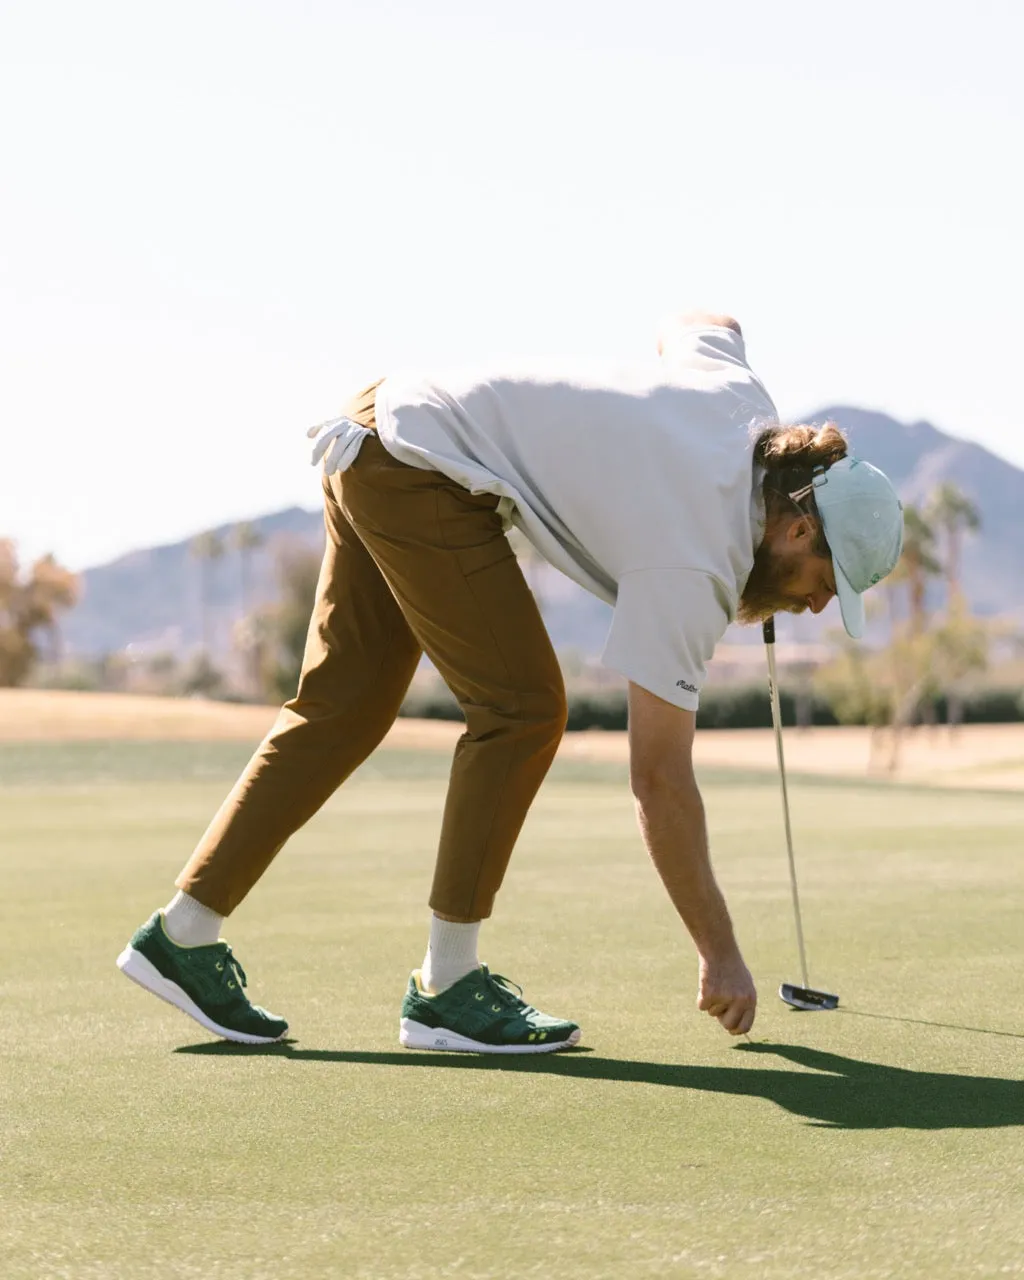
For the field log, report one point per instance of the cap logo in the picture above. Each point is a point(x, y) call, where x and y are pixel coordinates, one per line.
point(875, 577)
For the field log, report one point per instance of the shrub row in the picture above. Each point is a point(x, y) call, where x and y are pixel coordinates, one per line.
point(731, 707)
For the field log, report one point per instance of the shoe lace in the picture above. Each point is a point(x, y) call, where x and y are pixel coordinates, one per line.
point(229, 966)
point(504, 990)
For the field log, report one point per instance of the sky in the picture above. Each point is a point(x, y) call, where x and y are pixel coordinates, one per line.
point(219, 219)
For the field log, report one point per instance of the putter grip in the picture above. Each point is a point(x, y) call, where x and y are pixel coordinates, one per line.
point(768, 630)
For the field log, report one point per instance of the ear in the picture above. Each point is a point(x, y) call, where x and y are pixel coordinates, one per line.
point(801, 532)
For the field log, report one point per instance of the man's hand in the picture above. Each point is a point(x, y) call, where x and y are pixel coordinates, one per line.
point(727, 992)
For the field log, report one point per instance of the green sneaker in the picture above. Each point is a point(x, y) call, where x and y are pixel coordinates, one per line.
point(480, 1014)
point(204, 982)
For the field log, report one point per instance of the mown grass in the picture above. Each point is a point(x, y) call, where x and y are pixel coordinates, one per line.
point(882, 1140)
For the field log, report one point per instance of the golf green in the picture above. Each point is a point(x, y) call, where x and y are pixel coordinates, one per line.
point(881, 1140)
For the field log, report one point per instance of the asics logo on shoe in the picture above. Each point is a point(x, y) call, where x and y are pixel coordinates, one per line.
point(481, 1013)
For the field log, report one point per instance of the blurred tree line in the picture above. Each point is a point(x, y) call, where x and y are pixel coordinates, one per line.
point(927, 671)
point(30, 604)
point(924, 669)
point(267, 640)
point(262, 660)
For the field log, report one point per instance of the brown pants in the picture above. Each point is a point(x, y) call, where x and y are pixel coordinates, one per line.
point(414, 563)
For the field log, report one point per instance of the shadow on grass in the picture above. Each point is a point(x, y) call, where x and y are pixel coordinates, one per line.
point(844, 1094)
point(925, 1022)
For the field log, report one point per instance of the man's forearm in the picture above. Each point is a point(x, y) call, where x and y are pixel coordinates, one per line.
point(674, 831)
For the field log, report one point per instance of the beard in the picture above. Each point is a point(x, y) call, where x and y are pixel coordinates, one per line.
point(765, 591)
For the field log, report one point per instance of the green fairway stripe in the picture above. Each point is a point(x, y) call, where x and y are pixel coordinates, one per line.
point(110, 762)
point(885, 1139)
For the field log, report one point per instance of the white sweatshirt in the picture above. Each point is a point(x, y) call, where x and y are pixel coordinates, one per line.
point(637, 483)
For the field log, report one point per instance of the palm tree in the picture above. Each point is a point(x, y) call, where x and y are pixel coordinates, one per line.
point(954, 513)
point(248, 539)
point(917, 564)
point(207, 548)
point(912, 655)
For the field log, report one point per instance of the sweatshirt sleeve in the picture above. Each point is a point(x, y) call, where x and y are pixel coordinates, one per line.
point(664, 630)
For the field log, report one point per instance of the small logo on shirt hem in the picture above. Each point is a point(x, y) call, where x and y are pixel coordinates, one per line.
point(690, 688)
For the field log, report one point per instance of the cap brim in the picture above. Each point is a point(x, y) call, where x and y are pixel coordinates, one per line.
point(851, 604)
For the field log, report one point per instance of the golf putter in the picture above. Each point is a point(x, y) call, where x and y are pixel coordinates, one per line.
point(805, 997)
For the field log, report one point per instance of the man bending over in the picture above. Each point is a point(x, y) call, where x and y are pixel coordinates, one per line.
point(669, 490)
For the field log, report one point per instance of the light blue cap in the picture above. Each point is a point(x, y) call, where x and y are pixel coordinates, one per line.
point(863, 522)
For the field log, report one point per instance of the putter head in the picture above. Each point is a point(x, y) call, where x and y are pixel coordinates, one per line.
point(807, 998)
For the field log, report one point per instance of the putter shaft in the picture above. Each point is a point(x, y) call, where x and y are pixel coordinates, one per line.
point(769, 641)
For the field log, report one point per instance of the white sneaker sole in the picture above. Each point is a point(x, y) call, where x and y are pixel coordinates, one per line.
point(133, 964)
point(414, 1035)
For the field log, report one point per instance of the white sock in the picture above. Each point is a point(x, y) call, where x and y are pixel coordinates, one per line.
point(189, 923)
point(451, 954)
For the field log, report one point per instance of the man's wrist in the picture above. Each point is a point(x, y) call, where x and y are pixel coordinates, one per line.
point(720, 949)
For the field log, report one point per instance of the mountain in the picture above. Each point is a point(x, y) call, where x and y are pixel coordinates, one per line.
point(151, 598)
